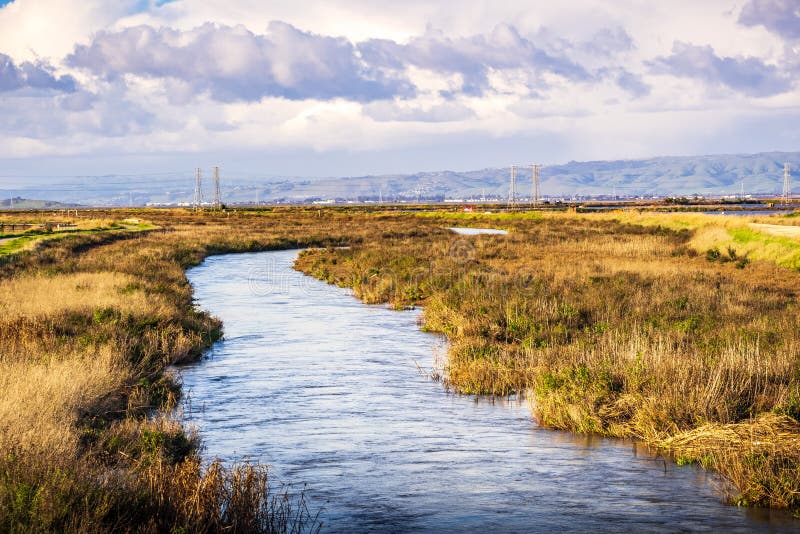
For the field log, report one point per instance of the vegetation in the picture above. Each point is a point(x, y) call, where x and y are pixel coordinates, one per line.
point(35, 228)
point(619, 324)
point(615, 325)
point(89, 327)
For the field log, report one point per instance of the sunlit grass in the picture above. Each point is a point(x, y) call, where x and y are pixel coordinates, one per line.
point(618, 323)
point(615, 323)
point(90, 323)
point(18, 241)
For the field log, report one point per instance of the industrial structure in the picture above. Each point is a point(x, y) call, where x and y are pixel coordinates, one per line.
point(217, 202)
point(787, 189)
point(512, 190)
point(197, 203)
point(535, 191)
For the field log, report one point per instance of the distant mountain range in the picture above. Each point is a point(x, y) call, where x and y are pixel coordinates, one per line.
point(19, 203)
point(709, 176)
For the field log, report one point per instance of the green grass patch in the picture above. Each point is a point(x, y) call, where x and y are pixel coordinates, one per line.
point(18, 244)
point(784, 251)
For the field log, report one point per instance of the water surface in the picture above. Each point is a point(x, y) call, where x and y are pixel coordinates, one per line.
point(477, 231)
point(748, 213)
point(327, 391)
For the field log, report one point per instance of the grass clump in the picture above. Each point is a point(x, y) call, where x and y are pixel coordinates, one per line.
point(612, 324)
point(616, 324)
point(90, 324)
point(759, 458)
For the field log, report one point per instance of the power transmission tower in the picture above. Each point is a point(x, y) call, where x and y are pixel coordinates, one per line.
point(787, 191)
point(535, 191)
point(198, 190)
point(217, 204)
point(512, 190)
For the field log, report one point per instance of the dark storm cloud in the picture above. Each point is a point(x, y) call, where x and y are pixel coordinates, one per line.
point(748, 75)
point(27, 75)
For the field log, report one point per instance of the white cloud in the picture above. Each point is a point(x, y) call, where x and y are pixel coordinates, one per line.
point(32, 76)
point(403, 111)
point(749, 75)
point(593, 76)
point(33, 29)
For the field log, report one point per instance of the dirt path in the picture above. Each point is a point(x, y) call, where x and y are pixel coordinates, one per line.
point(777, 229)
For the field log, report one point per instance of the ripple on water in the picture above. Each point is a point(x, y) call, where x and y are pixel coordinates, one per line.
point(327, 391)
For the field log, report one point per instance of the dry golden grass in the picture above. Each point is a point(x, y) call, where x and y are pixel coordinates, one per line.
point(759, 458)
point(614, 323)
point(89, 325)
point(43, 295)
point(43, 402)
point(755, 238)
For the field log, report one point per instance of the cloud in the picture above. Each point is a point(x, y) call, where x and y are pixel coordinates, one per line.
point(472, 57)
point(74, 114)
point(748, 75)
point(632, 83)
point(778, 16)
point(608, 42)
point(33, 29)
point(234, 64)
point(28, 75)
point(79, 101)
point(444, 112)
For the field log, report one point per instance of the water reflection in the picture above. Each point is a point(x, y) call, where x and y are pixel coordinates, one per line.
point(327, 390)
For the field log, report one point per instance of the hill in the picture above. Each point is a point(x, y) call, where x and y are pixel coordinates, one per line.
point(19, 203)
point(709, 176)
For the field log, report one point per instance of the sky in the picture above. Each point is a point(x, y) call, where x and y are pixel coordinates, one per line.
point(353, 87)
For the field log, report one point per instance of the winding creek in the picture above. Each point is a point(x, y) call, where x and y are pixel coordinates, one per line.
point(327, 391)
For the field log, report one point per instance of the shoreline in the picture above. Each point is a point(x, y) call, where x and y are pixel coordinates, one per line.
point(113, 313)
